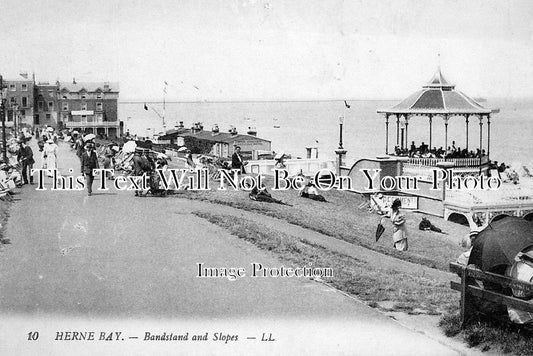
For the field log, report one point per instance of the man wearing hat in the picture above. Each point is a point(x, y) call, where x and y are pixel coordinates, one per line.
point(89, 161)
point(25, 155)
point(236, 160)
point(140, 166)
point(467, 242)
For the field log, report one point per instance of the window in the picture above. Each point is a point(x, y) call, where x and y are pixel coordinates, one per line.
point(50, 106)
point(48, 116)
point(12, 87)
point(40, 105)
point(24, 101)
point(83, 117)
point(24, 87)
point(22, 112)
point(99, 106)
point(13, 100)
point(51, 93)
point(99, 117)
point(99, 95)
point(64, 116)
point(64, 106)
point(83, 106)
point(64, 97)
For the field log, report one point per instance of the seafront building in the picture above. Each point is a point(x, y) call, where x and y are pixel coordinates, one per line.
point(19, 95)
point(214, 142)
point(89, 107)
point(46, 104)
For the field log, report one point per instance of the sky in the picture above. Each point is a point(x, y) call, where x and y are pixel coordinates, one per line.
point(208, 50)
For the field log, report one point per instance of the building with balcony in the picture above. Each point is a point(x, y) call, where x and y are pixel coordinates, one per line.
point(90, 107)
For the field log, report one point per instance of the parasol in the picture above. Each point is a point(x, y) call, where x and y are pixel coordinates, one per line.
point(50, 129)
point(129, 147)
point(183, 149)
point(500, 242)
point(279, 156)
point(89, 137)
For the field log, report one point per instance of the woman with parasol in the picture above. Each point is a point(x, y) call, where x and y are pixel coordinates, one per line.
point(399, 235)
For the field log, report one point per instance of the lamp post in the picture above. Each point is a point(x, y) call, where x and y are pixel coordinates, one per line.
point(341, 122)
point(3, 118)
point(341, 152)
point(14, 108)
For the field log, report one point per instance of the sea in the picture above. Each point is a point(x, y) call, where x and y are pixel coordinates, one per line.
point(291, 126)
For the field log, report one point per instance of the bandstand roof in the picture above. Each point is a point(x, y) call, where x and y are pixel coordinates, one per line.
point(438, 96)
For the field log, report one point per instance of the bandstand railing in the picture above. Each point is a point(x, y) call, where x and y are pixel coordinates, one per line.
point(457, 162)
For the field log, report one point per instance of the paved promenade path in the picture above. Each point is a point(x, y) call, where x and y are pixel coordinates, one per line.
point(114, 262)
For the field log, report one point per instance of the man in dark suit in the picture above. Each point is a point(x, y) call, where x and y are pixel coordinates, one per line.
point(236, 160)
point(25, 156)
point(89, 161)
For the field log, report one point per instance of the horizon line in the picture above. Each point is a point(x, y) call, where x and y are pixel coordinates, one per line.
point(152, 101)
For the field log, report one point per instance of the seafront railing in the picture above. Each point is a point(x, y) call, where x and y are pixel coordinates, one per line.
point(293, 166)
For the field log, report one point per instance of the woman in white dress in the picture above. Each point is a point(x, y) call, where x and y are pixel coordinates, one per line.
point(50, 155)
point(399, 235)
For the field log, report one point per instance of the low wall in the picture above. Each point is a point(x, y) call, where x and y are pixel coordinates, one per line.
point(294, 166)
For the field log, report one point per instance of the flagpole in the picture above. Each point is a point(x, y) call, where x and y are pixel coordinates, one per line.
point(164, 108)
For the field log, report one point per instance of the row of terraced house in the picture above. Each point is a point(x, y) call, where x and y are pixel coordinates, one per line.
point(89, 107)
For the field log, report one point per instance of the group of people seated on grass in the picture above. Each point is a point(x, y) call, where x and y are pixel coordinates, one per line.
point(309, 191)
point(424, 151)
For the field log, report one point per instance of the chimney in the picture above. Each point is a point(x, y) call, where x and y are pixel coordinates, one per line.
point(233, 131)
point(252, 131)
point(215, 130)
point(197, 127)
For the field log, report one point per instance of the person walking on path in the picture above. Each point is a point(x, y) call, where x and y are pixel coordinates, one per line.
point(140, 167)
point(89, 161)
point(50, 155)
point(79, 146)
point(25, 156)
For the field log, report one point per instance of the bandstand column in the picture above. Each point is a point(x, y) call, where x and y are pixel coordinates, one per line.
point(406, 130)
point(467, 116)
point(387, 134)
point(480, 133)
point(446, 118)
point(397, 130)
point(430, 129)
point(488, 136)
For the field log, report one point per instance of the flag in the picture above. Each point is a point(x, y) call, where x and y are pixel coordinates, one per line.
point(345, 103)
point(166, 83)
point(165, 90)
point(24, 75)
point(145, 106)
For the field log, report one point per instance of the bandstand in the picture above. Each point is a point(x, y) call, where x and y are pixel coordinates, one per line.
point(438, 102)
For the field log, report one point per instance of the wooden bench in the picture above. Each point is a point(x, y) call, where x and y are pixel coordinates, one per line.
point(469, 289)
